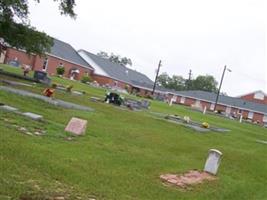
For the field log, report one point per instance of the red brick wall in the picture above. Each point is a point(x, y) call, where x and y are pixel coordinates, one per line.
point(189, 101)
point(37, 63)
point(250, 97)
point(102, 80)
point(204, 103)
point(22, 57)
point(54, 62)
point(257, 117)
point(221, 107)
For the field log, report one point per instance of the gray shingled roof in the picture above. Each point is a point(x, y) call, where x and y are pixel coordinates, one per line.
point(67, 52)
point(119, 72)
point(231, 101)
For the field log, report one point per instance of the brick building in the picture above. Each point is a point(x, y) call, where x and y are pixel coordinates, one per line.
point(257, 97)
point(231, 106)
point(62, 54)
point(116, 75)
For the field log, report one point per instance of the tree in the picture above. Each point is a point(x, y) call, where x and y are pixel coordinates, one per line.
point(115, 58)
point(205, 83)
point(164, 80)
point(177, 83)
point(16, 31)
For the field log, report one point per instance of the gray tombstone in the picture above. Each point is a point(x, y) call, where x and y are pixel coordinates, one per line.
point(14, 63)
point(42, 77)
point(33, 116)
point(213, 161)
point(8, 108)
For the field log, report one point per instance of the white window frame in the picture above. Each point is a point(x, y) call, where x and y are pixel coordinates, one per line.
point(264, 119)
point(182, 100)
point(228, 110)
point(46, 65)
point(250, 115)
point(259, 96)
point(212, 106)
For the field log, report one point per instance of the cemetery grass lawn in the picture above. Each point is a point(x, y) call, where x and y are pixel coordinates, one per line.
point(123, 153)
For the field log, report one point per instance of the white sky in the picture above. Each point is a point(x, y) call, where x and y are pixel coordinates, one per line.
point(202, 35)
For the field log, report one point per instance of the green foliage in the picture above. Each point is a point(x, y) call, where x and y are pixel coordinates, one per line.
point(115, 58)
point(86, 79)
point(205, 83)
point(60, 70)
point(19, 33)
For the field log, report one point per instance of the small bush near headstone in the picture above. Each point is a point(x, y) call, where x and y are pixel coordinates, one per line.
point(86, 79)
point(69, 88)
point(60, 70)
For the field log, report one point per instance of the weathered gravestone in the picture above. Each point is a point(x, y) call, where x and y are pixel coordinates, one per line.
point(8, 108)
point(76, 126)
point(42, 77)
point(33, 116)
point(213, 161)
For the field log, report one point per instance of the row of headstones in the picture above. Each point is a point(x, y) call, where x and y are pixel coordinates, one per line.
point(26, 114)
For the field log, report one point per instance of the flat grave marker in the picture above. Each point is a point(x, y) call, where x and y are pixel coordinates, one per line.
point(76, 126)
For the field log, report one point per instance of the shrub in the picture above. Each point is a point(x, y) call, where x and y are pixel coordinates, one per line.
point(60, 70)
point(86, 79)
point(69, 88)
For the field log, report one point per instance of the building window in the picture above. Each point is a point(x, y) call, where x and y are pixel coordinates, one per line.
point(115, 83)
point(265, 119)
point(45, 64)
point(212, 106)
point(259, 95)
point(60, 64)
point(228, 110)
point(182, 100)
point(250, 115)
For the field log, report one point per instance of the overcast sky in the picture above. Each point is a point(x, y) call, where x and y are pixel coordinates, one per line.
point(202, 35)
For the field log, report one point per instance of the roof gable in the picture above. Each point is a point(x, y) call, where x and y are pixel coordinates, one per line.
point(117, 71)
point(67, 52)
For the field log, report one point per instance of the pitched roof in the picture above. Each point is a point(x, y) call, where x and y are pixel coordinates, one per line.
point(257, 91)
point(225, 100)
point(67, 52)
point(117, 71)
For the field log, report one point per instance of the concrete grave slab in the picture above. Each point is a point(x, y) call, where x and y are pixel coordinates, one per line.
point(76, 126)
point(77, 93)
point(8, 108)
point(261, 141)
point(193, 177)
point(33, 116)
point(55, 102)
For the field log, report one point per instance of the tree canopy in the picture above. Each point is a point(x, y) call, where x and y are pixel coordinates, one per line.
point(205, 83)
point(115, 58)
point(16, 31)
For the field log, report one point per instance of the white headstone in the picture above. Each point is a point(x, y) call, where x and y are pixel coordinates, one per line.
point(213, 161)
point(33, 116)
point(240, 119)
point(8, 108)
point(204, 110)
point(170, 104)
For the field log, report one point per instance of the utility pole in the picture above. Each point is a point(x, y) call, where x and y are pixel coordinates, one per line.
point(218, 93)
point(155, 82)
point(190, 75)
point(189, 79)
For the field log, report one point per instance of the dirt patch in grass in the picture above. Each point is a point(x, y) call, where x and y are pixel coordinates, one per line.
point(190, 178)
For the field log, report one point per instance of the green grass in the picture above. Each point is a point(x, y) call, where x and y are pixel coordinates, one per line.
point(15, 70)
point(123, 153)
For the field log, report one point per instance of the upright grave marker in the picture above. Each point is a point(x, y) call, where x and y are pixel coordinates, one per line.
point(213, 161)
